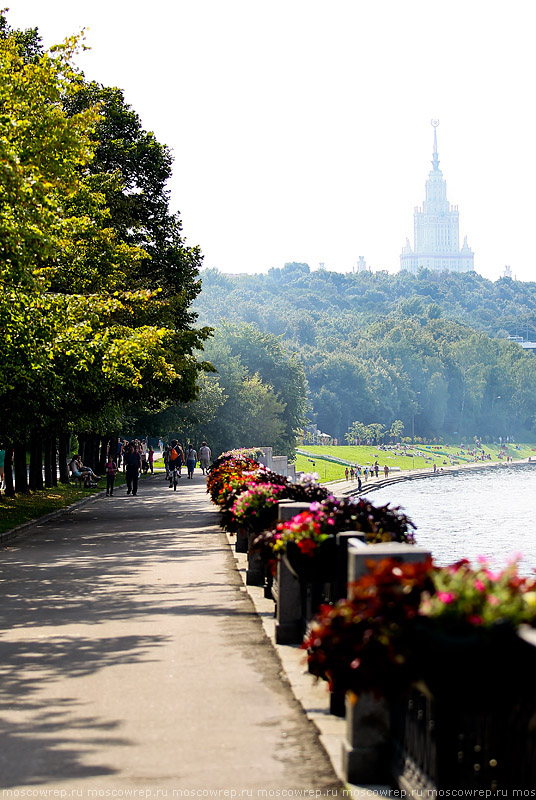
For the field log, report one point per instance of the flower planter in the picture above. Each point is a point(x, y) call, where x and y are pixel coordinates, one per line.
point(241, 544)
point(471, 663)
point(319, 566)
point(255, 571)
point(469, 722)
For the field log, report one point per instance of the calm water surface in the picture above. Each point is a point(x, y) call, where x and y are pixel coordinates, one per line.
point(489, 512)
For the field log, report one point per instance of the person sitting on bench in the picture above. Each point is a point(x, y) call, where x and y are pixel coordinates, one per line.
point(80, 472)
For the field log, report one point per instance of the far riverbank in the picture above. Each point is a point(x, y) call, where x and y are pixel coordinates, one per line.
point(483, 511)
point(349, 488)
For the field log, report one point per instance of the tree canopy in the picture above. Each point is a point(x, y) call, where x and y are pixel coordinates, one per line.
point(97, 281)
point(429, 351)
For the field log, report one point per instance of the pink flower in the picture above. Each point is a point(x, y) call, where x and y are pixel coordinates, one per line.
point(474, 620)
point(514, 557)
point(492, 600)
point(446, 597)
point(479, 586)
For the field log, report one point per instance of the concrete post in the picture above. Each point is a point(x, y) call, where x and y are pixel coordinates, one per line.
point(255, 570)
point(287, 590)
point(358, 556)
point(280, 465)
point(267, 456)
point(241, 544)
point(365, 746)
point(344, 539)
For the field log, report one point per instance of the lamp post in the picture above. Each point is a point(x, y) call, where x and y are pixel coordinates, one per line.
point(415, 406)
point(413, 432)
point(493, 403)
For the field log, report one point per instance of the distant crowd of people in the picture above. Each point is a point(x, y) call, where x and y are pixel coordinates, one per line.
point(136, 457)
point(352, 473)
point(176, 456)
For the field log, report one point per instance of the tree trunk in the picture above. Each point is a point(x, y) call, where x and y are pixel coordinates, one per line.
point(105, 442)
point(54, 460)
point(88, 454)
point(82, 438)
point(21, 473)
point(63, 447)
point(48, 471)
point(9, 490)
point(36, 461)
point(96, 453)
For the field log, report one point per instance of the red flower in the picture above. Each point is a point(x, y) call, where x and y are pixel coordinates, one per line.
point(307, 546)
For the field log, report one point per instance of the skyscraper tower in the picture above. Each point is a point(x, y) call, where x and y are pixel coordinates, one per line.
point(436, 229)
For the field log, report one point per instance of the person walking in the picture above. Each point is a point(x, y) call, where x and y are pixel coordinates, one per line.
point(133, 465)
point(204, 457)
point(150, 456)
point(111, 471)
point(119, 451)
point(191, 458)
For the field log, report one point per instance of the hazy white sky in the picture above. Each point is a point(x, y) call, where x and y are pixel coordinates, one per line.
point(301, 128)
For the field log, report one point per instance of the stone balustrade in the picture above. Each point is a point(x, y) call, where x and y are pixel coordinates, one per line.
point(411, 742)
point(367, 735)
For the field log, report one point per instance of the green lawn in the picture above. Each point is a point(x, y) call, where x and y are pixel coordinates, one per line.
point(365, 455)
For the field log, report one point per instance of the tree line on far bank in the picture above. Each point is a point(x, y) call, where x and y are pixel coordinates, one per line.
point(428, 350)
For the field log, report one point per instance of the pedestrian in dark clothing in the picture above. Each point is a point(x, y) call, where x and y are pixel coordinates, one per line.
point(119, 451)
point(133, 466)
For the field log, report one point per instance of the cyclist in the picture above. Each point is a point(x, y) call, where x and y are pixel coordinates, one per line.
point(176, 458)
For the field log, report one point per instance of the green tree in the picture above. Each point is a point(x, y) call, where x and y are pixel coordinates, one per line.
point(79, 349)
point(263, 354)
point(253, 411)
point(396, 430)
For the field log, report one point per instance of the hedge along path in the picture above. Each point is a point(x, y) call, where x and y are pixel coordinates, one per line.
point(132, 658)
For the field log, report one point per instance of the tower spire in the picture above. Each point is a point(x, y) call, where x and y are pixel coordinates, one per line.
point(436, 227)
point(435, 157)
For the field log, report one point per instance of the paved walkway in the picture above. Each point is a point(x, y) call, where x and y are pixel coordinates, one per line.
point(132, 659)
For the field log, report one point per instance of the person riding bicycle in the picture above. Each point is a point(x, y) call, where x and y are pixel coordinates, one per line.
point(176, 458)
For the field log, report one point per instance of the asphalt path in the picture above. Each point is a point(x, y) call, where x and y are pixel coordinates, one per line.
point(133, 663)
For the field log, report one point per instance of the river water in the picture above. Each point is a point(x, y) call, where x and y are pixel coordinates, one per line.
point(489, 512)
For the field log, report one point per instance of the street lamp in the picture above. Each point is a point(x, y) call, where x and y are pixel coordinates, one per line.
point(413, 421)
point(493, 403)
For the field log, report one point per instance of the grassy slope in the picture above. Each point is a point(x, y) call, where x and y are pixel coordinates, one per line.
point(368, 455)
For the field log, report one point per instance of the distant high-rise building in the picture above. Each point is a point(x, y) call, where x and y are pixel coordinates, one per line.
point(361, 266)
point(436, 227)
